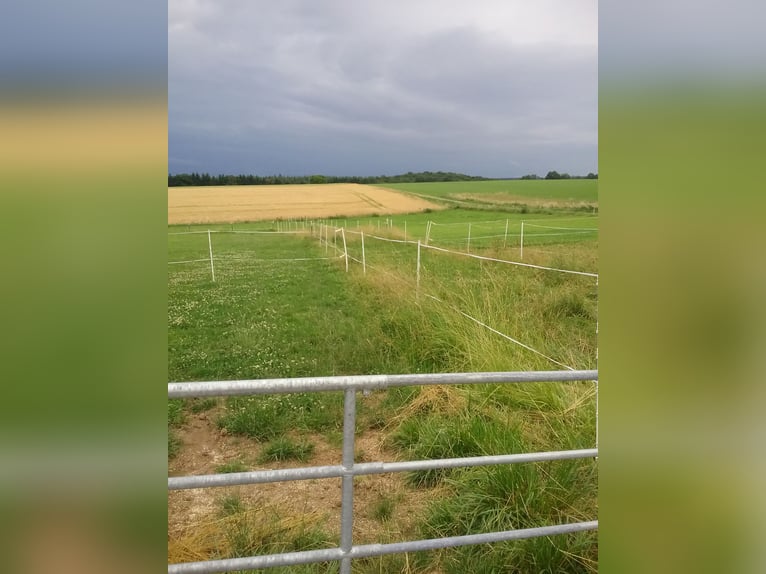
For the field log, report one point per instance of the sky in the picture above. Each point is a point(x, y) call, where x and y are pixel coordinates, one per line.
point(341, 87)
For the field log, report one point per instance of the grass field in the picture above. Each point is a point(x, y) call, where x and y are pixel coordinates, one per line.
point(461, 229)
point(266, 317)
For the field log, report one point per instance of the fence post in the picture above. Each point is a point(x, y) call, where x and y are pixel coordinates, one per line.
point(505, 236)
point(210, 249)
point(596, 381)
point(468, 246)
point(347, 484)
point(428, 232)
point(345, 249)
point(418, 273)
point(364, 260)
point(521, 242)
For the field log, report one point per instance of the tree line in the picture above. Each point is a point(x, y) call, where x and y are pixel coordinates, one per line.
point(557, 175)
point(203, 179)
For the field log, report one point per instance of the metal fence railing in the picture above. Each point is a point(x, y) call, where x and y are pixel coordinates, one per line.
point(347, 470)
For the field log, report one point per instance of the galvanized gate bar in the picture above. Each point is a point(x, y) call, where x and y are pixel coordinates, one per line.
point(369, 550)
point(360, 382)
point(365, 468)
point(347, 485)
point(256, 562)
point(413, 465)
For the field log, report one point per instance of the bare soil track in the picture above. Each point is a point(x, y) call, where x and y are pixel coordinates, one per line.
point(229, 204)
point(197, 529)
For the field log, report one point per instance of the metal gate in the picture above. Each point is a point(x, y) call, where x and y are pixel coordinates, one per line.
point(347, 469)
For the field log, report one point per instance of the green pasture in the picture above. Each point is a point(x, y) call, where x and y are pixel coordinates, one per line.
point(450, 228)
point(472, 230)
point(284, 305)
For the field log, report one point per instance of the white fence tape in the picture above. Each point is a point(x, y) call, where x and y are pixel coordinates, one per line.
point(367, 235)
point(466, 315)
point(237, 231)
point(590, 218)
point(516, 341)
point(260, 259)
point(510, 262)
point(189, 261)
point(572, 229)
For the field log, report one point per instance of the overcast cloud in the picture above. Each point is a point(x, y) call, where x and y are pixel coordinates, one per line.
point(343, 87)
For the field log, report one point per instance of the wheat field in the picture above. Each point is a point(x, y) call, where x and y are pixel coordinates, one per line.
point(228, 204)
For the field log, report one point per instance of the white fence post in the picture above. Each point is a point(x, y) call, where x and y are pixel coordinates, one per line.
point(210, 249)
point(505, 237)
point(428, 231)
point(418, 273)
point(468, 245)
point(521, 242)
point(364, 261)
point(345, 250)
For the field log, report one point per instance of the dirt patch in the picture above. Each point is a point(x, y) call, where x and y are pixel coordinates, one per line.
point(385, 509)
point(229, 204)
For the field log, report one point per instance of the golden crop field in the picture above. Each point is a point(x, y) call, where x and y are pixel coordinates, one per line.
point(229, 204)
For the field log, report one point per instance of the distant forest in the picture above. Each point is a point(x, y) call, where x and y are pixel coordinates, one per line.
point(200, 179)
point(182, 179)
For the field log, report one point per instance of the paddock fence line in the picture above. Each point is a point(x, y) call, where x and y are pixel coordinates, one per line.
point(348, 469)
point(363, 262)
point(212, 257)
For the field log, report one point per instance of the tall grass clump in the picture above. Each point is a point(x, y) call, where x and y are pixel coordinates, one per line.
point(238, 530)
point(285, 448)
point(271, 416)
point(440, 436)
point(245, 537)
point(518, 496)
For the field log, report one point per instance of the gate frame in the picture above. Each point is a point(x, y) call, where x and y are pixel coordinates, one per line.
point(347, 470)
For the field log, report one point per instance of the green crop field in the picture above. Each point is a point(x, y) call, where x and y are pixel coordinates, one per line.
point(284, 305)
point(560, 190)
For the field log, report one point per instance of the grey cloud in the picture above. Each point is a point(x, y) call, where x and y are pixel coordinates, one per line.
point(659, 39)
point(296, 88)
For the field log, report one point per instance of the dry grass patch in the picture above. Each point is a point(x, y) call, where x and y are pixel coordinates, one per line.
point(511, 199)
